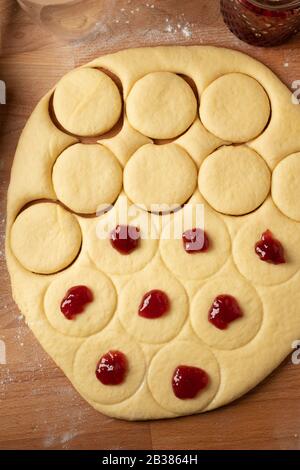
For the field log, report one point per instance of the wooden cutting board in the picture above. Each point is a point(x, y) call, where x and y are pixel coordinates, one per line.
point(38, 406)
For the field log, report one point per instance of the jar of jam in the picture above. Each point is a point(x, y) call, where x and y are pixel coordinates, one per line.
point(262, 22)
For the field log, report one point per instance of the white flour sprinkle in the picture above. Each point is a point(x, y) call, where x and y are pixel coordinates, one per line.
point(186, 31)
point(179, 28)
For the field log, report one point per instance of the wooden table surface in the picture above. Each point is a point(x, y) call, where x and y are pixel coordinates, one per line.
point(38, 406)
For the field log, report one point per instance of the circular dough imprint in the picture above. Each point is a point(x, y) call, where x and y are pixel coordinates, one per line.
point(95, 315)
point(248, 262)
point(163, 365)
point(45, 238)
point(87, 102)
point(285, 186)
point(161, 105)
point(239, 332)
point(86, 177)
point(166, 175)
point(234, 180)
point(107, 258)
point(159, 330)
point(235, 108)
point(86, 361)
point(196, 265)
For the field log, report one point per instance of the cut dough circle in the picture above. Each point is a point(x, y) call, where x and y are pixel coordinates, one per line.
point(95, 315)
point(163, 365)
point(161, 105)
point(285, 186)
point(234, 180)
point(158, 330)
point(247, 261)
point(86, 361)
point(87, 102)
point(108, 259)
point(86, 177)
point(197, 265)
point(45, 238)
point(240, 331)
point(235, 108)
point(166, 174)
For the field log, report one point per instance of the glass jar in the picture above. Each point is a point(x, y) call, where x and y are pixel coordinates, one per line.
point(262, 22)
point(69, 19)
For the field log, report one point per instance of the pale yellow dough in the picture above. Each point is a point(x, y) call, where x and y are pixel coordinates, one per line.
point(97, 313)
point(164, 328)
point(45, 238)
point(242, 171)
point(228, 107)
point(54, 241)
point(286, 187)
point(151, 103)
point(166, 175)
point(86, 178)
point(87, 102)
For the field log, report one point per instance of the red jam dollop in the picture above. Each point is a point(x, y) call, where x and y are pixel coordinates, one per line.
point(75, 301)
point(195, 241)
point(112, 368)
point(224, 310)
point(125, 238)
point(188, 381)
point(269, 249)
point(154, 304)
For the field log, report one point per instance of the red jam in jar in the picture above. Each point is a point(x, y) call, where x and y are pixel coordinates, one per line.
point(262, 22)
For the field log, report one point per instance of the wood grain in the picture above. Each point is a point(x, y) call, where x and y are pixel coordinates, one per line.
point(38, 406)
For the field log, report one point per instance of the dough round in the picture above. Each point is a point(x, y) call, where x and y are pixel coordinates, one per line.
point(161, 105)
point(248, 262)
point(86, 361)
point(87, 102)
point(45, 238)
point(158, 330)
point(240, 331)
point(86, 177)
point(163, 365)
point(166, 176)
point(95, 315)
point(108, 259)
point(197, 265)
point(234, 180)
point(286, 188)
point(235, 107)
